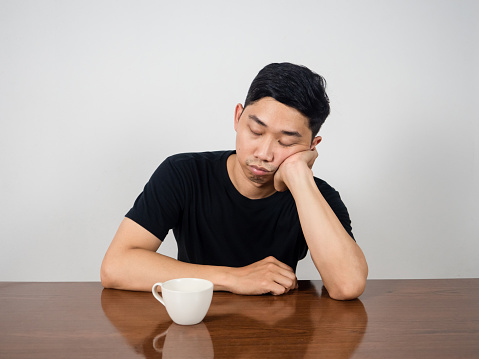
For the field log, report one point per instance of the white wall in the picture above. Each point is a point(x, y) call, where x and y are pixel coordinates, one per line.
point(95, 94)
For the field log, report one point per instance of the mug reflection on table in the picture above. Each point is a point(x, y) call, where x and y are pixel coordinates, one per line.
point(171, 343)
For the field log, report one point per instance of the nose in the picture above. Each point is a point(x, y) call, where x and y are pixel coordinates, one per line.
point(264, 150)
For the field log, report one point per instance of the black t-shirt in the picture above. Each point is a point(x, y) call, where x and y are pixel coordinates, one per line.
point(213, 223)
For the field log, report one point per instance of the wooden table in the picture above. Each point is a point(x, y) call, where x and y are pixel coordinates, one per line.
point(392, 319)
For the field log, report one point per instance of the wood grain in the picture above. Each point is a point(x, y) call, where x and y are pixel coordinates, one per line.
point(392, 319)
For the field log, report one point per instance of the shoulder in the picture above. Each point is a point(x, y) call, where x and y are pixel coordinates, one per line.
point(336, 203)
point(196, 161)
point(330, 194)
point(197, 157)
point(323, 185)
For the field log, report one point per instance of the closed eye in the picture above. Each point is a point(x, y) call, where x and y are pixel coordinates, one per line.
point(285, 145)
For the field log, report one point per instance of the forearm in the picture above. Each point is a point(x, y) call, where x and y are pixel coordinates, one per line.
point(338, 258)
point(138, 269)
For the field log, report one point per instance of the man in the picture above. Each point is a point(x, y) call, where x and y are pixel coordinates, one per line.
point(242, 219)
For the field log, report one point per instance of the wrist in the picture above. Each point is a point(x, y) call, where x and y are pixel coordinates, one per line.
point(224, 279)
point(297, 174)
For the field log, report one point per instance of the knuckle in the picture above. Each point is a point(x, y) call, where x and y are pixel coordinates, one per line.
point(264, 283)
point(271, 267)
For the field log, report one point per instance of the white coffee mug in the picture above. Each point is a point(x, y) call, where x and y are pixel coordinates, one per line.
point(186, 300)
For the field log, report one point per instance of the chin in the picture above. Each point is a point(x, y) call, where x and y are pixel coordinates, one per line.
point(261, 180)
point(257, 180)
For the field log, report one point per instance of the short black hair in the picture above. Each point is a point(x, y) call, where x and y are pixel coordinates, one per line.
point(295, 86)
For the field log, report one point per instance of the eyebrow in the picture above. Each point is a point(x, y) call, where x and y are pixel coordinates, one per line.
point(287, 133)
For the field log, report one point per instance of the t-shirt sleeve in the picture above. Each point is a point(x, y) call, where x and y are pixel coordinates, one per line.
point(335, 202)
point(158, 207)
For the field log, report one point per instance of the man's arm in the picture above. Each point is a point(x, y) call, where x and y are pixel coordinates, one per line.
point(131, 263)
point(337, 257)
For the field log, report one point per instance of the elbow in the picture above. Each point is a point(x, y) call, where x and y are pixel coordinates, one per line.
point(348, 291)
point(108, 274)
point(350, 288)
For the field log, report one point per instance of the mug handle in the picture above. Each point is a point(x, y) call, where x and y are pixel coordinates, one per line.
point(156, 294)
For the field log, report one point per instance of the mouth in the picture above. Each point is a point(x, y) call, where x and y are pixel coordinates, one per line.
point(259, 171)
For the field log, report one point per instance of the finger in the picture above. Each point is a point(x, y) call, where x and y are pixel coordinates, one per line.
point(287, 274)
point(280, 264)
point(282, 276)
point(277, 289)
point(283, 273)
point(283, 288)
point(287, 282)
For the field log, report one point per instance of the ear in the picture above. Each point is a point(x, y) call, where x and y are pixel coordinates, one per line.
point(315, 142)
point(238, 112)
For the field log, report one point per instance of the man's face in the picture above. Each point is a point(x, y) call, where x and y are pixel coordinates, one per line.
point(268, 132)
